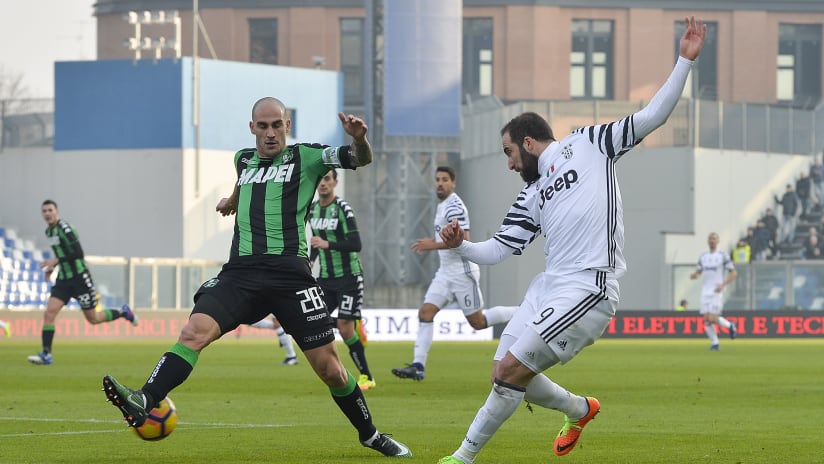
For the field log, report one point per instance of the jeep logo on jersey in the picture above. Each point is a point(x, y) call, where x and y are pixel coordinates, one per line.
point(262, 175)
point(323, 223)
point(562, 182)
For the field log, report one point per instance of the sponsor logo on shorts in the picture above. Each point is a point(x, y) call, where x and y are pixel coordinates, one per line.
point(320, 336)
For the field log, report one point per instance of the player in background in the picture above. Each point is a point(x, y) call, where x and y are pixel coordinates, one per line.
point(455, 281)
point(6, 326)
point(73, 281)
point(335, 244)
point(284, 339)
point(268, 271)
point(572, 198)
point(713, 265)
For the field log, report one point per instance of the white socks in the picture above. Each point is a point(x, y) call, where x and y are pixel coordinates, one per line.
point(548, 394)
point(286, 343)
point(499, 314)
point(423, 342)
point(500, 405)
point(710, 331)
point(264, 324)
point(284, 338)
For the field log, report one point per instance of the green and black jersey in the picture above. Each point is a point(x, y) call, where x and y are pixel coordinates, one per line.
point(67, 249)
point(336, 224)
point(274, 197)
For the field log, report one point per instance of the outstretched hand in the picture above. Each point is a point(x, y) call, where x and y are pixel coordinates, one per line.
point(452, 235)
point(693, 38)
point(353, 126)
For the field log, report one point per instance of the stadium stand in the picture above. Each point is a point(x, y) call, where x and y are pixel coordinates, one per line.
point(22, 283)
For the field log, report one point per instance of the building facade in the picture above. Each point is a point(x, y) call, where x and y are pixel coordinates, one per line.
point(518, 49)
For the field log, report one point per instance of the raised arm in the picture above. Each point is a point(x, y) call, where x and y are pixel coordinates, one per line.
point(660, 107)
point(361, 149)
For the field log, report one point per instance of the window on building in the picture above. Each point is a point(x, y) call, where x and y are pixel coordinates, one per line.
point(702, 82)
point(263, 40)
point(477, 58)
point(798, 66)
point(351, 60)
point(591, 59)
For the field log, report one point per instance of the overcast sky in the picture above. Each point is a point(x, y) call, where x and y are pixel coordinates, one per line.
point(36, 33)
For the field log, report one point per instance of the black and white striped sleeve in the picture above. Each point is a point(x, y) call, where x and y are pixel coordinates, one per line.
point(618, 137)
point(520, 227)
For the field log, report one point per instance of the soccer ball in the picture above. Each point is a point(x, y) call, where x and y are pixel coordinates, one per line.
point(160, 422)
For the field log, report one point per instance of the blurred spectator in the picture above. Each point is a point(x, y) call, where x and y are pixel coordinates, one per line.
point(821, 226)
point(750, 237)
point(803, 187)
point(682, 306)
point(817, 179)
point(742, 253)
point(772, 223)
point(812, 248)
point(761, 241)
point(789, 207)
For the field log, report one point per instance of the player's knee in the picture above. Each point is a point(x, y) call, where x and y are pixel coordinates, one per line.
point(477, 320)
point(198, 333)
point(427, 312)
point(332, 373)
point(478, 324)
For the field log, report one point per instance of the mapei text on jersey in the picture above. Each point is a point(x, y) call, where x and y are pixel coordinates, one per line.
point(262, 175)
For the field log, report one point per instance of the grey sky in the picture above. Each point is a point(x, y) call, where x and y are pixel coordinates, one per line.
point(36, 33)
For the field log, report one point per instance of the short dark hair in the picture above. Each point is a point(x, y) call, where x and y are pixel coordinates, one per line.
point(448, 170)
point(334, 173)
point(528, 124)
point(49, 202)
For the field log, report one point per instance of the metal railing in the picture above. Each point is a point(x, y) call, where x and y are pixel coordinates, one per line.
point(762, 285)
point(699, 123)
point(150, 283)
point(26, 122)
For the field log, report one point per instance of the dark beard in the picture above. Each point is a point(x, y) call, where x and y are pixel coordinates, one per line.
point(529, 171)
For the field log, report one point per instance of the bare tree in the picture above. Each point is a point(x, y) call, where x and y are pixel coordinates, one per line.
point(13, 92)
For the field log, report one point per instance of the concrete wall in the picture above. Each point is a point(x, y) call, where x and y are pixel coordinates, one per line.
point(130, 190)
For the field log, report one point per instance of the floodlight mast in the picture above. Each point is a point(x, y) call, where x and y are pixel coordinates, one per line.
point(138, 42)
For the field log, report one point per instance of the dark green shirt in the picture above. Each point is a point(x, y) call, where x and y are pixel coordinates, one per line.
point(67, 249)
point(336, 224)
point(274, 197)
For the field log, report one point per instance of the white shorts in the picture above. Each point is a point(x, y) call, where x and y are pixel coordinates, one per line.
point(711, 304)
point(554, 323)
point(463, 289)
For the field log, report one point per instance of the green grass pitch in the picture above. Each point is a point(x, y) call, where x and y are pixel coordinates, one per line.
point(670, 401)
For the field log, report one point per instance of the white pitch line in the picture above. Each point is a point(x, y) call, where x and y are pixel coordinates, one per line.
point(189, 426)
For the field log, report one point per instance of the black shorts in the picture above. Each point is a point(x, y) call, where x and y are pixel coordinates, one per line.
point(344, 294)
point(79, 287)
point(245, 292)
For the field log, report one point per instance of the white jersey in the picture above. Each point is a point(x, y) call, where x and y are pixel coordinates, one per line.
point(713, 267)
point(452, 207)
point(576, 202)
